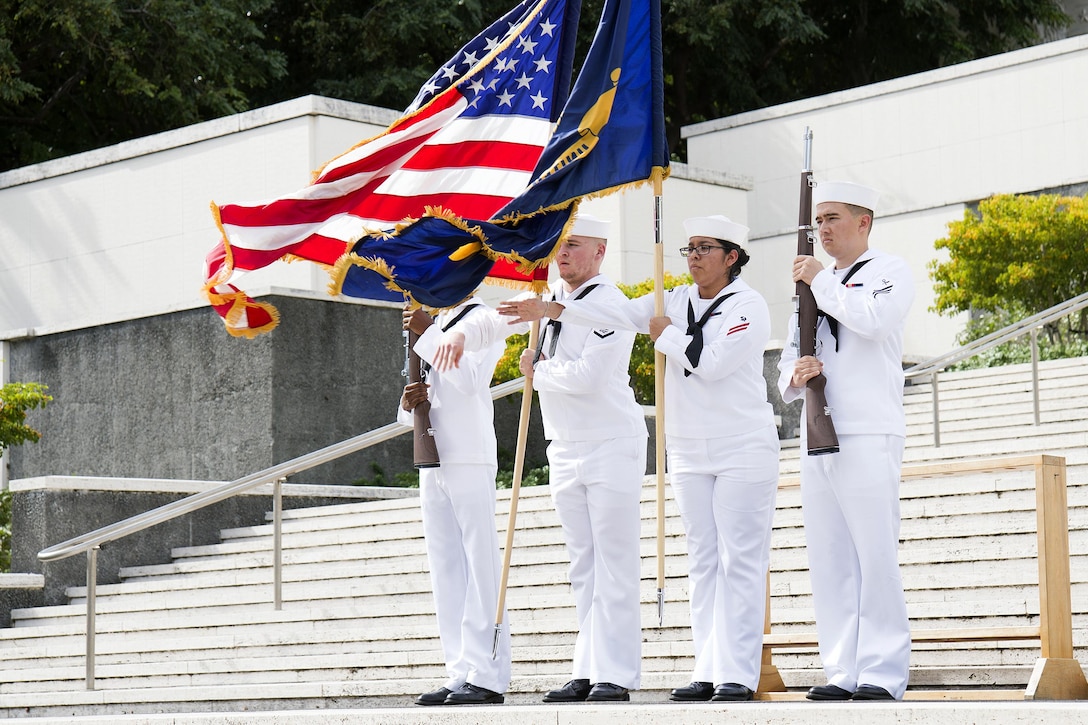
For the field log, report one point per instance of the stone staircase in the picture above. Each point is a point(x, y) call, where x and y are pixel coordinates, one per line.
point(356, 637)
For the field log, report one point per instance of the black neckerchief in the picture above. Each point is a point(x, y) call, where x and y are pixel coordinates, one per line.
point(694, 349)
point(832, 323)
point(556, 327)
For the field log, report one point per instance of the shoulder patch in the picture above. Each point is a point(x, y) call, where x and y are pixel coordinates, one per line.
point(602, 333)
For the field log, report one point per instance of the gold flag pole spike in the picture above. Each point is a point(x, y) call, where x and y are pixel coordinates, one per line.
point(515, 491)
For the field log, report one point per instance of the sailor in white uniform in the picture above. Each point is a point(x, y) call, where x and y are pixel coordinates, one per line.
point(722, 444)
point(597, 462)
point(850, 499)
point(458, 497)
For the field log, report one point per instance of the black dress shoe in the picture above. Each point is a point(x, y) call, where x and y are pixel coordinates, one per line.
point(607, 692)
point(828, 692)
point(573, 691)
point(695, 692)
point(731, 692)
point(469, 694)
point(438, 697)
point(871, 692)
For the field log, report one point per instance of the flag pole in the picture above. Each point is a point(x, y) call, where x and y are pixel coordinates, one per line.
point(659, 397)
point(515, 490)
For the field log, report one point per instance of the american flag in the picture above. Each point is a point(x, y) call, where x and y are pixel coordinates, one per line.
point(468, 143)
point(610, 136)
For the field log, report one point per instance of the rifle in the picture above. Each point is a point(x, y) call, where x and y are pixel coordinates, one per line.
point(819, 426)
point(424, 450)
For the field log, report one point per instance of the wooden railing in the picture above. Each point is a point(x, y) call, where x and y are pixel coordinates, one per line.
point(1057, 675)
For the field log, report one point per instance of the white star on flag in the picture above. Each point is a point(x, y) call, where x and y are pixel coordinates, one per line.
point(527, 45)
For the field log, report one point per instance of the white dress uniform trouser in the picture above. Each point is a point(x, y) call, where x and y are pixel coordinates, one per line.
point(850, 502)
point(458, 504)
point(596, 488)
point(725, 489)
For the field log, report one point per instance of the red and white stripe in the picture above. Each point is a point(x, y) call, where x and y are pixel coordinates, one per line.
point(431, 158)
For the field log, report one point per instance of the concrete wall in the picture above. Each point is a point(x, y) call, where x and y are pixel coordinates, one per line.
point(174, 396)
point(933, 143)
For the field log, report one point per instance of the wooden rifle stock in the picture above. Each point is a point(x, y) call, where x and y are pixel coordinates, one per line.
point(424, 449)
point(820, 429)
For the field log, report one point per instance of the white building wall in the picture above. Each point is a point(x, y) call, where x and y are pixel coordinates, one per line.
point(932, 143)
point(122, 232)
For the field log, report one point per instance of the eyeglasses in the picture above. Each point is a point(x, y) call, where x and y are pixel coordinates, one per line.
point(702, 250)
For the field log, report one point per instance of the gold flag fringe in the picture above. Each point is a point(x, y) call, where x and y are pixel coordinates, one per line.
point(239, 301)
point(338, 271)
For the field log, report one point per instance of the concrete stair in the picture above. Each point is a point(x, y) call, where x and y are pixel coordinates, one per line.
point(356, 637)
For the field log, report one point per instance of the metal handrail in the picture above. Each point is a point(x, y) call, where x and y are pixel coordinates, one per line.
point(91, 542)
point(1027, 326)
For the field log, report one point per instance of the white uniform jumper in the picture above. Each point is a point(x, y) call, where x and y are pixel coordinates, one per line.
point(597, 461)
point(722, 461)
point(458, 500)
point(850, 499)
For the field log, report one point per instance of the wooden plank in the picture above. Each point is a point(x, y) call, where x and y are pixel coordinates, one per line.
point(914, 695)
point(965, 634)
point(975, 634)
point(964, 695)
point(948, 468)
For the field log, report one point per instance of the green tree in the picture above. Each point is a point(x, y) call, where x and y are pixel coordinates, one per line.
point(1016, 256)
point(370, 51)
point(82, 74)
point(641, 368)
point(728, 57)
point(15, 400)
point(720, 56)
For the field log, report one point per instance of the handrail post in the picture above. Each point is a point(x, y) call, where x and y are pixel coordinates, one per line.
point(770, 679)
point(936, 409)
point(1055, 610)
point(277, 543)
point(1035, 371)
point(1057, 675)
point(92, 582)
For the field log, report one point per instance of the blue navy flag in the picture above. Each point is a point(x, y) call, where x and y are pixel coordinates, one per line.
point(612, 131)
point(611, 134)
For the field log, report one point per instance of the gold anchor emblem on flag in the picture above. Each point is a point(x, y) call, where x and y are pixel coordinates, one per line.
point(589, 130)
